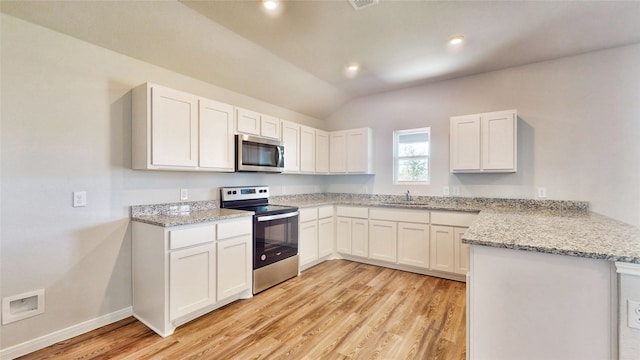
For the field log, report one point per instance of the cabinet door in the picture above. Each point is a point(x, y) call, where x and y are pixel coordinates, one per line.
point(413, 245)
point(461, 264)
point(307, 149)
point(358, 151)
point(360, 237)
point(326, 238)
point(498, 141)
point(308, 242)
point(337, 152)
point(247, 122)
point(383, 240)
point(216, 136)
point(192, 284)
point(269, 127)
point(343, 235)
point(442, 248)
point(322, 152)
point(464, 143)
point(174, 129)
point(234, 266)
point(291, 139)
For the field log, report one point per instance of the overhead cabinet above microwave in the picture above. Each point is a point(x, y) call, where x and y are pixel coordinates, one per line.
point(174, 130)
point(484, 143)
point(253, 123)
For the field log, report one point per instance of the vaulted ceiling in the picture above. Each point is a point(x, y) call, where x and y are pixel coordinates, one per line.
point(295, 57)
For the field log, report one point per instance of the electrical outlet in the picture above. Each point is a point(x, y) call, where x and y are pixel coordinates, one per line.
point(445, 191)
point(542, 192)
point(456, 190)
point(184, 194)
point(633, 314)
point(79, 198)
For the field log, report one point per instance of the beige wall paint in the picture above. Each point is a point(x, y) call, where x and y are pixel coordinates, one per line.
point(579, 123)
point(66, 122)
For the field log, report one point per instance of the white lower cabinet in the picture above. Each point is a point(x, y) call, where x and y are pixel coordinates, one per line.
point(413, 245)
point(352, 230)
point(442, 248)
point(234, 266)
point(192, 274)
point(383, 240)
point(316, 239)
point(182, 272)
point(461, 251)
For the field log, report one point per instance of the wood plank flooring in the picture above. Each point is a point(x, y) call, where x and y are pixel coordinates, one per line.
point(336, 310)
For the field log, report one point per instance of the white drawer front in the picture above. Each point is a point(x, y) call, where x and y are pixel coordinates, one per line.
point(403, 215)
point(325, 212)
point(308, 214)
point(191, 236)
point(453, 218)
point(353, 211)
point(232, 228)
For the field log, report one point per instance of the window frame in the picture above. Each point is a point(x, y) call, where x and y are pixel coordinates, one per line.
point(397, 157)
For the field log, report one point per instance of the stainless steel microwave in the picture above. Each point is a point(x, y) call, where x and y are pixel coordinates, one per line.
point(258, 154)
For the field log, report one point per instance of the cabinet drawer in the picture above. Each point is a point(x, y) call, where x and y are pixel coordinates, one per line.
point(192, 236)
point(453, 218)
point(353, 212)
point(325, 212)
point(308, 214)
point(233, 228)
point(404, 215)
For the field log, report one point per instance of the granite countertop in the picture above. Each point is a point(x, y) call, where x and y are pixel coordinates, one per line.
point(186, 213)
point(564, 232)
point(548, 226)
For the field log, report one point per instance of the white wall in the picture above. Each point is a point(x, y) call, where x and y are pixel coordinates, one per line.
point(579, 124)
point(66, 122)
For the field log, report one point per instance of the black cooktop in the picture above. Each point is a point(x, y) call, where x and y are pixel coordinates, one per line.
point(269, 209)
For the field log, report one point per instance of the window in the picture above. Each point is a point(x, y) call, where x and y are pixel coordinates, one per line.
point(411, 156)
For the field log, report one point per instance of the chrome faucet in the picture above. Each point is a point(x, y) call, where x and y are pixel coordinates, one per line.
point(408, 196)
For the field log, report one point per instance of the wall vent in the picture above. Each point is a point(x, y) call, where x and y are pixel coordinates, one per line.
point(22, 306)
point(361, 4)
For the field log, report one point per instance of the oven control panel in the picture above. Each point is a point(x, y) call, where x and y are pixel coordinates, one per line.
point(244, 193)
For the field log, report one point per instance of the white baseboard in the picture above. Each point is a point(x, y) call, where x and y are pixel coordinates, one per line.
point(64, 334)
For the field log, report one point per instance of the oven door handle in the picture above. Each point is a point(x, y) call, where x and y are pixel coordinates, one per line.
point(276, 217)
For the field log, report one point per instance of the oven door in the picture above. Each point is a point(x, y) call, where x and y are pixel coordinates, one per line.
point(275, 237)
point(259, 154)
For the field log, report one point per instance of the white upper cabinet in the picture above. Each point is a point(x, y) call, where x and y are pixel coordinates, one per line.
point(322, 152)
point(351, 151)
point(307, 149)
point(291, 139)
point(337, 152)
point(216, 136)
point(484, 142)
point(269, 127)
point(173, 130)
point(247, 122)
point(254, 123)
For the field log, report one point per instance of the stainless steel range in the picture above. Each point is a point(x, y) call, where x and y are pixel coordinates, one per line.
point(275, 234)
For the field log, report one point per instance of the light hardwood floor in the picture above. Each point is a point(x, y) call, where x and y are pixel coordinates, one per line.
point(336, 310)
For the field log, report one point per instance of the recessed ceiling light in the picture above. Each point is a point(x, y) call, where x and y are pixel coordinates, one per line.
point(270, 4)
point(456, 39)
point(353, 67)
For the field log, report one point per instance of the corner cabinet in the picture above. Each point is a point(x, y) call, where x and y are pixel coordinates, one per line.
point(183, 272)
point(351, 151)
point(174, 130)
point(484, 142)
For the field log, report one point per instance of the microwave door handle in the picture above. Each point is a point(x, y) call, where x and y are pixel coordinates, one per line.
point(276, 217)
point(278, 156)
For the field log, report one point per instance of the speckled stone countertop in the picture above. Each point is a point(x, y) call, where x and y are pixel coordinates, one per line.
point(548, 226)
point(564, 232)
point(184, 213)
